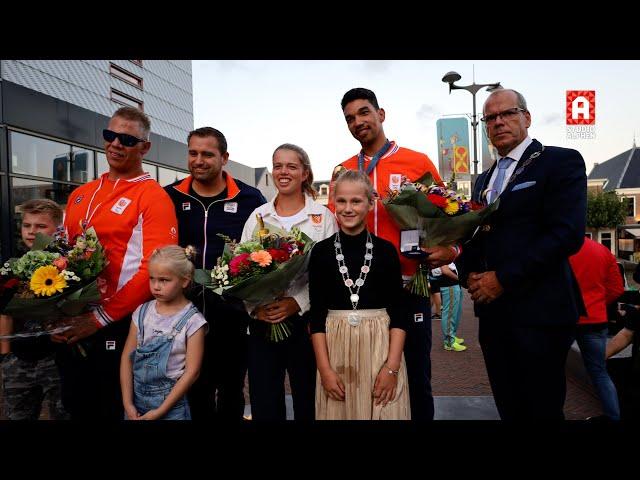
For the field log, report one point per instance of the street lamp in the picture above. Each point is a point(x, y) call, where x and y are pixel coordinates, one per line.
point(451, 78)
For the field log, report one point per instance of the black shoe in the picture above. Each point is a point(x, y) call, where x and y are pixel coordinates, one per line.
point(599, 419)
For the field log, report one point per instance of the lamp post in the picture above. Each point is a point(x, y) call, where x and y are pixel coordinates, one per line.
point(451, 78)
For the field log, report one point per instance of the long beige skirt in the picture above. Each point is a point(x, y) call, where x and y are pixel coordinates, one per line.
point(357, 353)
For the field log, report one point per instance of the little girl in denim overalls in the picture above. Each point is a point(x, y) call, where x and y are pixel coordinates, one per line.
point(163, 353)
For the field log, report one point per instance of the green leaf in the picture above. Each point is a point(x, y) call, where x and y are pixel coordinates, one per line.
point(41, 242)
point(202, 277)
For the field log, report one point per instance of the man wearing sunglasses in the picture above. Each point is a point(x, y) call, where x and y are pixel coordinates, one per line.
point(132, 216)
point(517, 267)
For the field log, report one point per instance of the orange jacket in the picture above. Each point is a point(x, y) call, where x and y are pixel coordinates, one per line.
point(385, 176)
point(131, 218)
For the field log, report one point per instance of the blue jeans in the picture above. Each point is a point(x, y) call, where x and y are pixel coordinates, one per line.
point(451, 312)
point(593, 344)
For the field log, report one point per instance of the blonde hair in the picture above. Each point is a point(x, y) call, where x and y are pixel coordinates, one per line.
point(307, 185)
point(43, 205)
point(178, 258)
point(357, 177)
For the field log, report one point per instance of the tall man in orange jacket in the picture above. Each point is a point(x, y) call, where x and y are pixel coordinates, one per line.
point(385, 162)
point(132, 216)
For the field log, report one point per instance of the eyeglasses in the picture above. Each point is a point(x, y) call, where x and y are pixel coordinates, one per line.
point(505, 114)
point(125, 139)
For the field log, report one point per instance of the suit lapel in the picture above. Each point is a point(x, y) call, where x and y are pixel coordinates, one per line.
point(482, 182)
point(531, 149)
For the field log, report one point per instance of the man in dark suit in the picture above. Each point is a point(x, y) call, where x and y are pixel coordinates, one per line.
point(516, 267)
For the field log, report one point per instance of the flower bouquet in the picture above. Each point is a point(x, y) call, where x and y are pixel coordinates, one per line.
point(260, 270)
point(441, 215)
point(52, 281)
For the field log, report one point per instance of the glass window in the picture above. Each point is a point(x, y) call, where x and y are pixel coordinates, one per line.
point(151, 169)
point(605, 239)
point(167, 176)
point(39, 157)
point(630, 203)
point(23, 189)
point(125, 99)
point(81, 165)
point(125, 76)
point(101, 164)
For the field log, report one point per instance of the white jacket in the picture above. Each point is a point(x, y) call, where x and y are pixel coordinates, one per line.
point(318, 224)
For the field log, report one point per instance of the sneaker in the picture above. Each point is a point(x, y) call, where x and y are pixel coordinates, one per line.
point(455, 347)
point(459, 341)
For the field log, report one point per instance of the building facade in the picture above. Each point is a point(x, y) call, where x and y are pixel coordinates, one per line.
point(620, 174)
point(52, 113)
point(322, 187)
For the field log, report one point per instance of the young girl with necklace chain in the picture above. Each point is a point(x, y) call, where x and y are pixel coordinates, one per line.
point(163, 353)
point(358, 321)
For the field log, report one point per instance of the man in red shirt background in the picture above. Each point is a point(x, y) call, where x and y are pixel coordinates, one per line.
point(600, 282)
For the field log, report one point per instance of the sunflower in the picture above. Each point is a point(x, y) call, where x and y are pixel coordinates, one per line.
point(47, 280)
point(452, 207)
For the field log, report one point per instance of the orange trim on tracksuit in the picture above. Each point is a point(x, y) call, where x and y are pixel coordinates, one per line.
point(232, 187)
point(397, 161)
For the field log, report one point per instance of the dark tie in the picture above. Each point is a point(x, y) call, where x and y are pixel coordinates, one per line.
point(503, 164)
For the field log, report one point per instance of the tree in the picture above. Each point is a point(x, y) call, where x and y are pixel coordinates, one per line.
point(605, 210)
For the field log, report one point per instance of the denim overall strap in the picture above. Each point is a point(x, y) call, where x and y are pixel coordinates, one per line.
point(183, 320)
point(141, 314)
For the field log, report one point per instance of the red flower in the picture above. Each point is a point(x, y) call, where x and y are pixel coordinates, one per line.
point(279, 255)
point(475, 205)
point(437, 200)
point(60, 262)
point(239, 263)
point(9, 284)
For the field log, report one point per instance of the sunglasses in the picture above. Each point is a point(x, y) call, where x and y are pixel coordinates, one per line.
point(125, 139)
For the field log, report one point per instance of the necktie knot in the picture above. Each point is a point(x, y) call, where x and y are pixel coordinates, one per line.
point(504, 163)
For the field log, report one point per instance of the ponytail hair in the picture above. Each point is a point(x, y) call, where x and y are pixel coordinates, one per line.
point(178, 258)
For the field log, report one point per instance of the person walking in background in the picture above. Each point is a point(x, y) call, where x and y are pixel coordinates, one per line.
point(626, 336)
point(451, 294)
point(597, 273)
point(434, 293)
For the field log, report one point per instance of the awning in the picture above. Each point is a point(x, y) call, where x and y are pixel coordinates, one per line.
point(634, 232)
